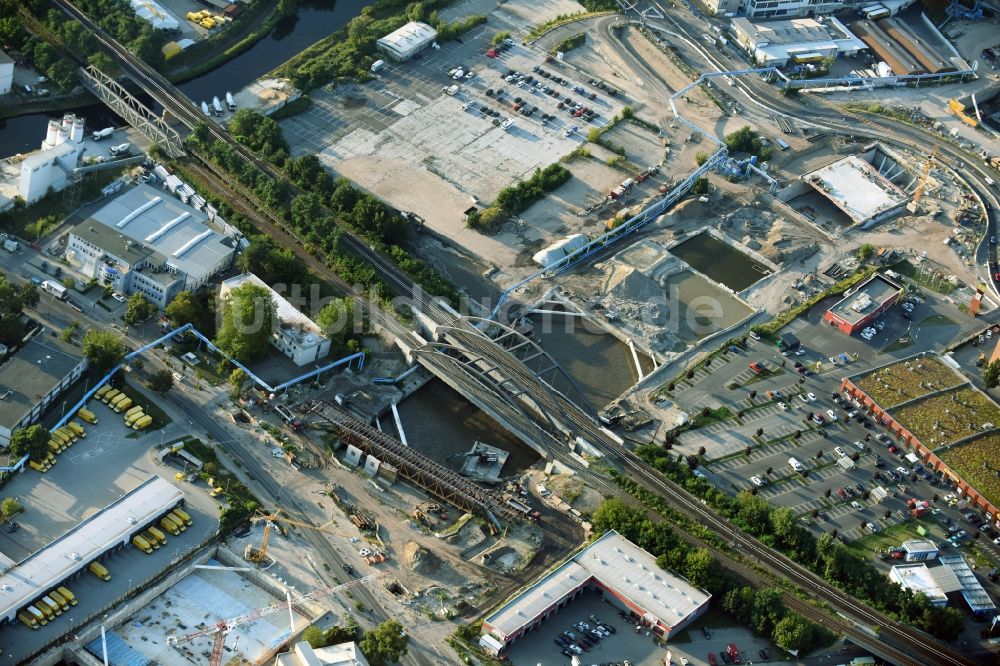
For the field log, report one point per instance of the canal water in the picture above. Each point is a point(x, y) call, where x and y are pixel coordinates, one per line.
point(440, 423)
point(720, 261)
point(312, 22)
point(26, 133)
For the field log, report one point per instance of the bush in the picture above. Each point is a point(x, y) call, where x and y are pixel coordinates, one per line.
point(569, 43)
point(699, 187)
point(517, 198)
point(499, 37)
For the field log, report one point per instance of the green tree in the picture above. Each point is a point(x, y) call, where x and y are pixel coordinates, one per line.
point(184, 309)
point(315, 637)
point(236, 378)
point(991, 374)
point(11, 328)
point(247, 322)
point(10, 507)
point(100, 60)
point(32, 441)
point(103, 349)
point(866, 251)
point(699, 187)
point(793, 632)
point(385, 644)
point(700, 568)
point(161, 381)
point(336, 319)
point(138, 309)
point(28, 294)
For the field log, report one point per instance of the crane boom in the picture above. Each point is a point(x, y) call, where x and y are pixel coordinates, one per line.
point(232, 623)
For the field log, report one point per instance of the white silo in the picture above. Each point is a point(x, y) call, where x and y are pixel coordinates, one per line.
point(52, 134)
point(67, 123)
point(62, 135)
point(76, 136)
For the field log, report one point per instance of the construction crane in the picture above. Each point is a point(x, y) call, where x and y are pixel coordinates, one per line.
point(922, 184)
point(257, 555)
point(220, 629)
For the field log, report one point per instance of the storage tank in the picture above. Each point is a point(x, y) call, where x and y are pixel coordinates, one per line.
point(62, 135)
point(67, 123)
point(52, 134)
point(76, 136)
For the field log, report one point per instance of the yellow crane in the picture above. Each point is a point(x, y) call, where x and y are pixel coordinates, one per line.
point(922, 184)
point(258, 554)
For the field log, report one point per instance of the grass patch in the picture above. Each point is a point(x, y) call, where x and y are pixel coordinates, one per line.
point(889, 537)
point(709, 416)
point(569, 43)
point(934, 280)
point(938, 320)
point(900, 343)
point(767, 373)
point(770, 329)
point(294, 107)
point(906, 380)
point(977, 462)
point(949, 417)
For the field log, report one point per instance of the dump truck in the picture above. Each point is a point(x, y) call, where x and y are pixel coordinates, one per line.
point(67, 595)
point(87, 415)
point(142, 423)
point(110, 395)
point(99, 570)
point(130, 420)
point(77, 428)
point(182, 514)
point(141, 544)
point(169, 525)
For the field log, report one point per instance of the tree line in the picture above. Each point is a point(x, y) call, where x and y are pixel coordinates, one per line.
point(519, 197)
point(778, 528)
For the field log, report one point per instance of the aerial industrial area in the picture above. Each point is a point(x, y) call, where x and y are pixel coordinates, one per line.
point(586, 332)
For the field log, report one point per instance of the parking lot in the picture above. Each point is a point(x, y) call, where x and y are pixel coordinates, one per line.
point(628, 646)
point(88, 476)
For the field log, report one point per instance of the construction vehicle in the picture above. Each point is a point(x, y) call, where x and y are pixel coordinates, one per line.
point(220, 629)
point(182, 514)
point(87, 415)
point(167, 523)
point(103, 391)
point(141, 544)
point(957, 108)
point(257, 555)
point(77, 428)
point(918, 193)
point(59, 599)
point(99, 570)
point(142, 422)
point(67, 595)
point(110, 395)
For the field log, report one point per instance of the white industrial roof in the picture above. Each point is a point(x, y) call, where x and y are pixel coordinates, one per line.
point(48, 567)
point(617, 564)
point(411, 35)
point(919, 546)
point(287, 314)
point(856, 188)
point(152, 218)
point(917, 577)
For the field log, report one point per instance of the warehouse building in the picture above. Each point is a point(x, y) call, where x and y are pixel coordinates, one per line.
point(406, 42)
point(32, 378)
point(887, 49)
point(147, 242)
point(977, 598)
point(935, 583)
point(110, 528)
point(295, 335)
point(778, 43)
point(627, 576)
point(854, 312)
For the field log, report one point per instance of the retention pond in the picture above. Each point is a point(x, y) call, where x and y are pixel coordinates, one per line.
point(720, 261)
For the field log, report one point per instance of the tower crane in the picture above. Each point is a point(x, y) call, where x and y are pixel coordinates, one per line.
point(220, 629)
point(257, 555)
point(922, 184)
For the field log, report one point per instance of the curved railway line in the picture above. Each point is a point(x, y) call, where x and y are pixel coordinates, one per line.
point(908, 645)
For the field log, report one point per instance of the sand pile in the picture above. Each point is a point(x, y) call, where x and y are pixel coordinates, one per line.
point(772, 235)
point(632, 293)
point(419, 559)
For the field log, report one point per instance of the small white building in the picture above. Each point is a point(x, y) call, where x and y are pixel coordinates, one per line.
point(6, 73)
point(303, 654)
point(295, 335)
point(406, 42)
point(935, 583)
point(920, 550)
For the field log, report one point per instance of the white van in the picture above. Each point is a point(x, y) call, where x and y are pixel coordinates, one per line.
point(795, 464)
point(990, 182)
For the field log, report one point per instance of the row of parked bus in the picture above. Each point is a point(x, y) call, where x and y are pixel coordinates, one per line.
point(46, 608)
point(118, 401)
point(60, 439)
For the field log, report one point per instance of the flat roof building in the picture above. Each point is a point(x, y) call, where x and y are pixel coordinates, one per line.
point(920, 550)
point(776, 43)
point(6, 73)
point(966, 582)
point(303, 654)
point(858, 189)
point(295, 335)
point(32, 378)
point(854, 312)
point(145, 241)
point(111, 527)
point(407, 41)
point(625, 574)
point(919, 578)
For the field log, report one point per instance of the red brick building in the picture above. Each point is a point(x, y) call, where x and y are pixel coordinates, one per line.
point(854, 312)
